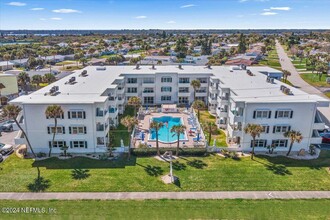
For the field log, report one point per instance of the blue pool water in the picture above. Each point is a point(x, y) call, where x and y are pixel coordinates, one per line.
point(165, 134)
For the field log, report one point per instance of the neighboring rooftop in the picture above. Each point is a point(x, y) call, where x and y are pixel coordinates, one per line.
point(89, 89)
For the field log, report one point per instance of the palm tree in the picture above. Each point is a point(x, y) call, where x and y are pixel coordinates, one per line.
point(23, 79)
point(196, 84)
point(129, 122)
point(198, 104)
point(83, 60)
point(156, 126)
point(178, 130)
point(37, 79)
point(11, 112)
point(54, 111)
point(254, 130)
point(286, 73)
point(211, 128)
point(294, 136)
point(49, 78)
point(20, 55)
point(135, 102)
point(6, 57)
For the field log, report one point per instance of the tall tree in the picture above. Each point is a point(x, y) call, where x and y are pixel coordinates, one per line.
point(294, 136)
point(23, 79)
point(55, 112)
point(129, 122)
point(286, 73)
point(178, 130)
point(135, 102)
point(199, 105)
point(210, 128)
point(156, 126)
point(196, 84)
point(37, 79)
point(254, 130)
point(6, 57)
point(242, 44)
point(49, 78)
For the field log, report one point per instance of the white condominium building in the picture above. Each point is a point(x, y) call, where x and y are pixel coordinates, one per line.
point(93, 97)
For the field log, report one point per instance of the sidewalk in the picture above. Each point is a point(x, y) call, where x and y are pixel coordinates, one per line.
point(168, 195)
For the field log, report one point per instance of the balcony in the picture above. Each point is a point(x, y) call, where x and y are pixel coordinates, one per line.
point(212, 100)
point(235, 116)
point(318, 123)
point(99, 127)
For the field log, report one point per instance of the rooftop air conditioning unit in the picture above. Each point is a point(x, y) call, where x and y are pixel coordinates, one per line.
point(72, 80)
point(282, 88)
point(272, 80)
point(153, 66)
point(243, 67)
point(137, 66)
point(84, 73)
point(101, 68)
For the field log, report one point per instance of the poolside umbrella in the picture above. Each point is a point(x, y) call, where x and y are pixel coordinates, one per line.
point(142, 136)
point(198, 136)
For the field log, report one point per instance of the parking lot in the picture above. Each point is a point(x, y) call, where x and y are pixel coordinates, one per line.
point(8, 137)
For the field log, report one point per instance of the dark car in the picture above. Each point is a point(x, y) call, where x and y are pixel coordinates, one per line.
point(6, 127)
point(326, 139)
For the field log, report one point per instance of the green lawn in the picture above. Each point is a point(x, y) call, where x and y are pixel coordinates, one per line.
point(313, 79)
point(220, 136)
point(65, 62)
point(327, 94)
point(209, 173)
point(174, 209)
point(271, 60)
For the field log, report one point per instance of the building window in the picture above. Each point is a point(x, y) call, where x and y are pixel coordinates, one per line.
point(148, 80)
point(100, 112)
point(99, 126)
point(58, 117)
point(184, 89)
point(148, 100)
point(132, 90)
point(166, 79)
point(148, 90)
point(77, 114)
point(262, 114)
point(284, 114)
point(183, 100)
point(259, 143)
point(100, 140)
point(201, 90)
point(77, 130)
point(265, 128)
point(78, 144)
point(166, 89)
point(131, 80)
point(280, 143)
point(184, 80)
point(166, 98)
point(202, 80)
point(58, 144)
point(281, 128)
point(59, 130)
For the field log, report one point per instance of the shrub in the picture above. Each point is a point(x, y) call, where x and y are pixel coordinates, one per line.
point(146, 152)
point(41, 154)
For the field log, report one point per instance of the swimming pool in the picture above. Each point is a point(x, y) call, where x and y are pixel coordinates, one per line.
point(164, 134)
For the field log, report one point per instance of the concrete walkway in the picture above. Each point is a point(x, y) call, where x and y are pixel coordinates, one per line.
point(168, 195)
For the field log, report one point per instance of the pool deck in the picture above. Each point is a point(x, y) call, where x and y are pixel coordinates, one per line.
point(144, 124)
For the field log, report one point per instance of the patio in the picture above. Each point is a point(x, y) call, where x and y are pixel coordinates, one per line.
point(189, 120)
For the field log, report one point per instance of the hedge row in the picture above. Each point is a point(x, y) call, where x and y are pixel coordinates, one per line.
point(146, 152)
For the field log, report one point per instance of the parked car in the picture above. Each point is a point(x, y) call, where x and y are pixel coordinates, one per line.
point(6, 149)
point(7, 126)
point(324, 133)
point(326, 138)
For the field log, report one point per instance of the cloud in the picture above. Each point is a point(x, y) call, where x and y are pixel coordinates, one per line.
point(171, 22)
point(37, 9)
point(57, 19)
point(66, 11)
point(16, 3)
point(188, 6)
point(42, 19)
point(141, 17)
point(268, 13)
point(266, 9)
point(280, 8)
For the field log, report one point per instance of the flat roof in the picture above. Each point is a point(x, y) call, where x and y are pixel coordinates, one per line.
point(246, 88)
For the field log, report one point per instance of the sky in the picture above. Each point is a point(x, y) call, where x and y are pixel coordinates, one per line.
point(164, 14)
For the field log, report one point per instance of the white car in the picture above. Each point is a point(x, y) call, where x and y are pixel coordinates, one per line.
point(6, 149)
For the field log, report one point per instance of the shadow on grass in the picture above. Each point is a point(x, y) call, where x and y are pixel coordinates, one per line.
point(39, 185)
point(84, 163)
point(178, 166)
point(198, 164)
point(153, 170)
point(79, 174)
point(177, 182)
point(278, 169)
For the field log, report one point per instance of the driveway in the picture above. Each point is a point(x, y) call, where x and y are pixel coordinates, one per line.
point(8, 137)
